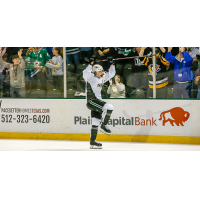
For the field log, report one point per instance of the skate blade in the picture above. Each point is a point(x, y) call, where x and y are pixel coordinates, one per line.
point(101, 130)
point(95, 147)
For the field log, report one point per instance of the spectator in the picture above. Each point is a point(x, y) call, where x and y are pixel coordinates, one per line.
point(139, 77)
point(123, 52)
point(72, 54)
point(49, 50)
point(29, 50)
point(36, 61)
point(161, 74)
point(196, 81)
point(56, 66)
point(104, 53)
point(182, 72)
point(116, 88)
point(86, 52)
point(1, 77)
point(16, 74)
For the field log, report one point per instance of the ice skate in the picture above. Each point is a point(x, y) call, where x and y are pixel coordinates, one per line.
point(104, 129)
point(95, 145)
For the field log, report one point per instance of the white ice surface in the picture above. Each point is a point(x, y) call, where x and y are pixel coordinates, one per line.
point(56, 145)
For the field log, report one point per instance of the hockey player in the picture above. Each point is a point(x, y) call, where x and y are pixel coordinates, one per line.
point(95, 77)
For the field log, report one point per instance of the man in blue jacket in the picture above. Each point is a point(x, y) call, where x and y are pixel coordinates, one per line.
point(182, 72)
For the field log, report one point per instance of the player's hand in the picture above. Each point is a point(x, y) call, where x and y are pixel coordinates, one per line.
point(91, 61)
point(169, 49)
point(110, 60)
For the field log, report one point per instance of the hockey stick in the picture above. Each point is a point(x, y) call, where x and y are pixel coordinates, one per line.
point(87, 59)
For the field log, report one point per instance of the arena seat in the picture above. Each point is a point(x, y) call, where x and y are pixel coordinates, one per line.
point(127, 70)
point(80, 69)
point(70, 68)
point(119, 68)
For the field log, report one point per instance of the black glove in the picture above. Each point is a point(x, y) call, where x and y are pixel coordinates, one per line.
point(111, 61)
point(91, 60)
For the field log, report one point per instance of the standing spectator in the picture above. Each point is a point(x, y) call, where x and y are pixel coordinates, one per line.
point(1, 77)
point(49, 50)
point(116, 88)
point(72, 54)
point(86, 52)
point(36, 61)
point(139, 77)
point(123, 52)
point(182, 72)
point(29, 50)
point(196, 81)
point(103, 53)
point(56, 66)
point(161, 74)
point(16, 74)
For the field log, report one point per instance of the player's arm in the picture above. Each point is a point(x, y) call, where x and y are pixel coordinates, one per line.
point(110, 74)
point(87, 73)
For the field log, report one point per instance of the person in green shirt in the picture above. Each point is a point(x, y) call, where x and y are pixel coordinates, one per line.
point(36, 61)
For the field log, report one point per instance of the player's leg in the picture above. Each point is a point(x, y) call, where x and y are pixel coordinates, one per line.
point(103, 108)
point(94, 130)
point(107, 111)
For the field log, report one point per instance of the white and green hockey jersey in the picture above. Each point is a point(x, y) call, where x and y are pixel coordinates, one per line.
point(94, 84)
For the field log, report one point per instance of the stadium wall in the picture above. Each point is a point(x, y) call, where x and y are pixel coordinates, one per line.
point(154, 121)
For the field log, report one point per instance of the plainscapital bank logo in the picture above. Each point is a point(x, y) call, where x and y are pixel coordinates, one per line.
point(174, 116)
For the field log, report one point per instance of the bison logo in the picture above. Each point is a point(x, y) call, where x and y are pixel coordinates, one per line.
point(178, 114)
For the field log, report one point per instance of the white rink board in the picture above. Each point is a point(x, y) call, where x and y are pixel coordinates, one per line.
point(130, 117)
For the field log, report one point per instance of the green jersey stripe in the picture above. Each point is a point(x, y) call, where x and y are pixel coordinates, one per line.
point(94, 104)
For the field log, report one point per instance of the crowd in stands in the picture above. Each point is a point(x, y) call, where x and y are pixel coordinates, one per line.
point(38, 72)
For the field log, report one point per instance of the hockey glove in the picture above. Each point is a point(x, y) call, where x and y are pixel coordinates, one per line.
point(110, 60)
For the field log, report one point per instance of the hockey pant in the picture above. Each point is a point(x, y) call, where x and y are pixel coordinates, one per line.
point(100, 112)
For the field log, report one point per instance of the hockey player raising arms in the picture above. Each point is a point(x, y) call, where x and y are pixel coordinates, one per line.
point(95, 77)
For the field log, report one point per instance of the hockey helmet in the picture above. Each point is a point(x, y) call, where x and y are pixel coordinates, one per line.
point(97, 68)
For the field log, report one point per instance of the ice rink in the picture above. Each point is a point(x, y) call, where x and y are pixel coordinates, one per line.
point(57, 145)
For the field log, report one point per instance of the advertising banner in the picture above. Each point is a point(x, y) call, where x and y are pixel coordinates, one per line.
point(130, 117)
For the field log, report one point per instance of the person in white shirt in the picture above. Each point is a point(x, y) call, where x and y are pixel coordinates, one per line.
point(56, 66)
point(116, 88)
